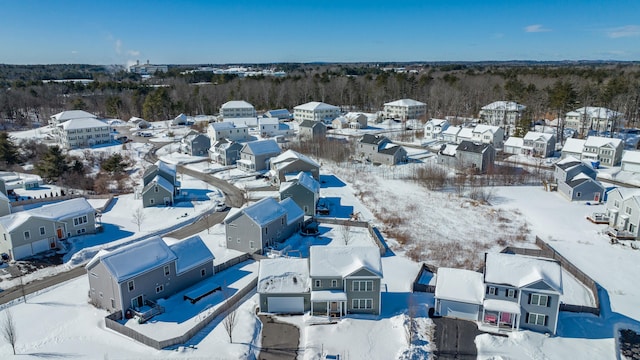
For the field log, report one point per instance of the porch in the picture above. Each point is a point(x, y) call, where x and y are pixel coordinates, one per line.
point(620, 234)
point(330, 303)
point(599, 218)
point(501, 314)
point(145, 312)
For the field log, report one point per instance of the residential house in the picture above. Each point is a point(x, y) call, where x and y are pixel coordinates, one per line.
point(270, 127)
point(345, 280)
point(290, 163)
point(147, 69)
point(488, 134)
point(465, 134)
point(304, 190)
point(250, 122)
point(316, 111)
point(405, 109)
point(5, 203)
point(84, 132)
point(284, 286)
point(539, 144)
point(435, 128)
point(179, 120)
point(237, 109)
point(62, 117)
point(196, 144)
point(630, 161)
point(593, 118)
point(505, 114)
point(608, 151)
point(577, 180)
point(340, 122)
point(357, 120)
point(30, 232)
point(136, 275)
point(379, 149)
point(160, 185)
point(469, 156)
point(280, 114)
point(225, 152)
point(513, 145)
point(513, 292)
point(255, 155)
point(450, 135)
point(623, 210)
point(262, 224)
point(227, 130)
point(572, 147)
point(312, 130)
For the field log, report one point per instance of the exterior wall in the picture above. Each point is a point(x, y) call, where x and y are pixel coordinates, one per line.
point(17, 236)
point(628, 216)
point(322, 115)
point(297, 166)
point(79, 138)
point(264, 305)
point(199, 146)
point(153, 198)
point(313, 132)
point(235, 134)
point(497, 117)
point(241, 231)
point(192, 276)
point(326, 283)
point(5, 208)
point(587, 191)
point(551, 311)
point(501, 292)
point(240, 112)
point(103, 288)
point(145, 284)
point(480, 161)
point(305, 198)
point(86, 228)
point(405, 112)
point(374, 295)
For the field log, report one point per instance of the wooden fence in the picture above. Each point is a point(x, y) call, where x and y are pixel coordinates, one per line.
point(417, 287)
point(231, 262)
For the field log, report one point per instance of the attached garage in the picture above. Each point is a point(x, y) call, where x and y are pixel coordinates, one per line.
point(459, 293)
point(458, 310)
point(40, 246)
point(288, 305)
point(21, 252)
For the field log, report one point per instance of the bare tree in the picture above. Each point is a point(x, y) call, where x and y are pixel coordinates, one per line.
point(231, 314)
point(345, 232)
point(9, 330)
point(410, 323)
point(138, 217)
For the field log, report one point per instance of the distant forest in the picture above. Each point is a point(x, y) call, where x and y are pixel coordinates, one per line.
point(28, 98)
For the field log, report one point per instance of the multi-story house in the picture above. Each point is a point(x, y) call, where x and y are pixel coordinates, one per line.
point(593, 118)
point(227, 130)
point(312, 130)
point(450, 135)
point(270, 127)
point(623, 211)
point(290, 163)
point(576, 180)
point(225, 152)
point(237, 109)
point(284, 286)
point(195, 144)
point(608, 151)
point(316, 111)
point(539, 144)
point(82, 132)
point(134, 276)
point(379, 149)
point(488, 134)
point(468, 156)
point(160, 185)
point(435, 128)
point(304, 190)
point(255, 155)
point(505, 114)
point(30, 232)
point(405, 109)
point(280, 114)
point(61, 117)
point(262, 225)
point(345, 280)
point(147, 69)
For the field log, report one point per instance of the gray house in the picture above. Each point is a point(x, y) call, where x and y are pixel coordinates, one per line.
point(262, 224)
point(196, 144)
point(312, 130)
point(284, 286)
point(5, 203)
point(623, 210)
point(160, 185)
point(27, 233)
point(515, 292)
point(577, 181)
point(468, 156)
point(290, 163)
point(539, 144)
point(225, 152)
point(345, 280)
point(138, 274)
point(379, 149)
point(304, 190)
point(255, 155)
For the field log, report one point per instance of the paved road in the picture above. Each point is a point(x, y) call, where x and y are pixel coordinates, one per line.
point(280, 340)
point(206, 221)
point(37, 285)
point(454, 339)
point(233, 196)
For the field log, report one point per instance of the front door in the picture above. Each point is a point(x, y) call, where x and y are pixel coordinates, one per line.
point(137, 302)
point(59, 232)
point(596, 197)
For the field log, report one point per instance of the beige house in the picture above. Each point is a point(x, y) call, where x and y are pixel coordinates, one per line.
point(316, 111)
point(405, 109)
point(237, 109)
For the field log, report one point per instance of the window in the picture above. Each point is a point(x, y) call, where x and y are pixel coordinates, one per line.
point(42, 230)
point(113, 303)
point(101, 295)
point(362, 285)
point(578, 194)
point(80, 220)
point(151, 201)
point(317, 283)
point(511, 293)
point(131, 286)
point(155, 188)
point(616, 203)
point(627, 210)
point(167, 271)
point(540, 300)
point(159, 288)
point(203, 272)
point(27, 235)
point(334, 283)
point(365, 304)
point(492, 290)
point(536, 319)
point(252, 244)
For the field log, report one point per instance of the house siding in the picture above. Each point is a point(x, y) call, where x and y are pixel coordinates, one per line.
point(297, 166)
point(501, 292)
point(240, 231)
point(374, 295)
point(157, 197)
point(306, 199)
point(264, 305)
point(100, 281)
point(550, 311)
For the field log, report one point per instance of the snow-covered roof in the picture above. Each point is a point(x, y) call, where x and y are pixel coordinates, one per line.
point(482, 128)
point(166, 167)
point(226, 125)
point(283, 276)
point(580, 176)
point(573, 145)
point(278, 113)
point(260, 147)
point(243, 121)
point(595, 112)
point(465, 133)
point(449, 149)
point(501, 305)
point(568, 160)
point(533, 135)
point(514, 141)
point(405, 102)
point(72, 114)
point(452, 130)
point(521, 271)
point(294, 212)
point(311, 124)
point(630, 156)
point(162, 182)
point(129, 261)
point(190, 253)
point(341, 119)
point(599, 141)
point(332, 261)
point(83, 123)
point(268, 121)
point(303, 179)
point(460, 285)
point(504, 105)
point(236, 104)
point(437, 122)
point(289, 156)
point(328, 295)
point(316, 105)
point(55, 212)
point(264, 211)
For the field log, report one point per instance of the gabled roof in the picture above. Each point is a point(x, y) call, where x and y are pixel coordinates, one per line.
point(580, 178)
point(236, 104)
point(54, 212)
point(373, 139)
point(573, 145)
point(504, 105)
point(630, 156)
point(595, 112)
point(459, 285)
point(162, 182)
point(316, 105)
point(482, 128)
point(167, 168)
point(514, 141)
point(262, 147)
point(390, 149)
point(599, 141)
point(437, 122)
point(533, 135)
point(289, 156)
point(568, 162)
point(278, 113)
point(131, 260)
point(452, 130)
point(192, 137)
point(448, 149)
point(190, 253)
point(268, 121)
point(342, 261)
point(294, 212)
point(521, 271)
point(226, 125)
point(85, 123)
point(311, 124)
point(72, 114)
point(465, 133)
point(405, 102)
point(263, 212)
point(470, 146)
point(284, 276)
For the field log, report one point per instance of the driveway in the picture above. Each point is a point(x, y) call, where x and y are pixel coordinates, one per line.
point(280, 340)
point(454, 339)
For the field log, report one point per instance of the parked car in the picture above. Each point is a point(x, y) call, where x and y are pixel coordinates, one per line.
point(221, 206)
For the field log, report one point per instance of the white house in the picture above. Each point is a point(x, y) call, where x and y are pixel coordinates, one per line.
point(435, 128)
point(450, 135)
point(631, 161)
point(405, 109)
point(513, 145)
point(316, 111)
point(593, 118)
point(269, 127)
point(502, 113)
point(237, 109)
point(227, 130)
point(488, 134)
point(79, 133)
point(539, 144)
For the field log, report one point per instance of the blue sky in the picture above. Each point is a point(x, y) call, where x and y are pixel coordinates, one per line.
point(215, 32)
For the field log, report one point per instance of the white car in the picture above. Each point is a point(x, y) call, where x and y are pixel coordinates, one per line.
point(221, 206)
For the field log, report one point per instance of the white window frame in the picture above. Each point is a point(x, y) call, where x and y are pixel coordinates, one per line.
point(42, 230)
point(536, 299)
point(317, 283)
point(131, 285)
point(511, 293)
point(357, 285)
point(362, 304)
point(334, 283)
point(27, 235)
point(493, 290)
point(534, 319)
point(167, 270)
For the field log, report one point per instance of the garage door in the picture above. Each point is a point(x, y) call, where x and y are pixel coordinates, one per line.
point(40, 246)
point(289, 305)
point(459, 310)
point(21, 252)
point(631, 167)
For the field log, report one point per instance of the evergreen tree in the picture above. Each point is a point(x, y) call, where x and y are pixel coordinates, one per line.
point(8, 150)
point(53, 164)
point(115, 164)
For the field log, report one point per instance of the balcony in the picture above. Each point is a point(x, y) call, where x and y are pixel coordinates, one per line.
point(598, 218)
point(147, 311)
point(620, 234)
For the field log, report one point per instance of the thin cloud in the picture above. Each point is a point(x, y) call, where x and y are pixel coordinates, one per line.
point(133, 53)
point(118, 46)
point(624, 31)
point(536, 28)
